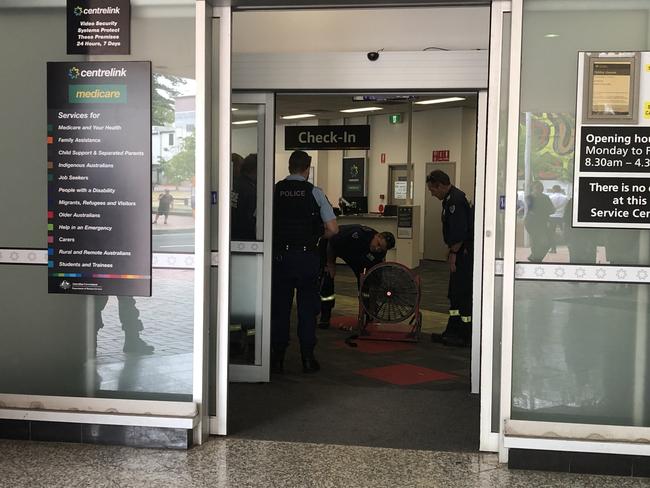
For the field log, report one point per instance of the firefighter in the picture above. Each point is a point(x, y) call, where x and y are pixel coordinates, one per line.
point(457, 232)
point(361, 248)
point(302, 215)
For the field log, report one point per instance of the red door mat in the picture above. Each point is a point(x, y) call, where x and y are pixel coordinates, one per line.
point(405, 374)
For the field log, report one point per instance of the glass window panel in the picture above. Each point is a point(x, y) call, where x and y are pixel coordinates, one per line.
point(577, 353)
point(554, 33)
point(50, 349)
point(246, 197)
point(246, 308)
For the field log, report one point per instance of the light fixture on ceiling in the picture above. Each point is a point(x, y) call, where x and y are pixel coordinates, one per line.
point(244, 122)
point(361, 109)
point(439, 100)
point(551, 36)
point(298, 116)
point(234, 109)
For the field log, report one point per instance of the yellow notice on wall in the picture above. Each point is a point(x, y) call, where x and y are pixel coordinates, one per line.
point(646, 110)
point(647, 67)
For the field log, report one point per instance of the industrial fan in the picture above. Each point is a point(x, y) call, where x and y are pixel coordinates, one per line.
point(389, 294)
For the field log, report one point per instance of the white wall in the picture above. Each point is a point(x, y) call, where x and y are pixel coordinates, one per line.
point(396, 29)
point(244, 140)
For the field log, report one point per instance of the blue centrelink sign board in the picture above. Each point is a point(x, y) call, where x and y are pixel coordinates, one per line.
point(99, 26)
point(326, 137)
point(99, 178)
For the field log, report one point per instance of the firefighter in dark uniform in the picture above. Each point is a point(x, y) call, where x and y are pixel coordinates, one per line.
point(302, 216)
point(457, 231)
point(243, 201)
point(361, 248)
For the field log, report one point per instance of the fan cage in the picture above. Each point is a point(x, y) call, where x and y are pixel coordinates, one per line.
point(389, 293)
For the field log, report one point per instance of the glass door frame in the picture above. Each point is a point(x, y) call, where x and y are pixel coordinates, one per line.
point(525, 434)
point(260, 371)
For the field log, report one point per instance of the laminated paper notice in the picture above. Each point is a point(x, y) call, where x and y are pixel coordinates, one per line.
point(611, 88)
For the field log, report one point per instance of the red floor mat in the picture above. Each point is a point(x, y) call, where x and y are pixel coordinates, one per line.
point(405, 374)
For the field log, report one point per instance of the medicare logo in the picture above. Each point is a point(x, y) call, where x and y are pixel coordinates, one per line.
point(78, 10)
point(65, 285)
point(73, 73)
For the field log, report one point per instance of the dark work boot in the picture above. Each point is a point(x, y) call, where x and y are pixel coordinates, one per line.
point(309, 363)
point(277, 359)
point(324, 321)
point(133, 344)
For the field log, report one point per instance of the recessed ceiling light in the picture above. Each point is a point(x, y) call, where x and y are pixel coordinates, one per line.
point(242, 122)
point(362, 109)
point(234, 109)
point(551, 36)
point(297, 116)
point(439, 100)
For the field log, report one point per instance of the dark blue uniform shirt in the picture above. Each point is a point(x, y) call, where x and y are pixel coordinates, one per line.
point(456, 218)
point(352, 244)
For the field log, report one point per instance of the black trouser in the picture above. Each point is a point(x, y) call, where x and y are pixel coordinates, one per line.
point(295, 271)
point(459, 323)
point(129, 314)
point(328, 295)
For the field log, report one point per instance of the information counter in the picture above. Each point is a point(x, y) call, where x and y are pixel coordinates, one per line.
point(407, 249)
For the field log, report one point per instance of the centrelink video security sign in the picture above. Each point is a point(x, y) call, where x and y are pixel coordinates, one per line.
point(612, 156)
point(99, 26)
point(99, 178)
point(326, 137)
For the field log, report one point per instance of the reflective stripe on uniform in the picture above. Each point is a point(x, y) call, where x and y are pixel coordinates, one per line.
point(466, 318)
point(329, 298)
point(454, 313)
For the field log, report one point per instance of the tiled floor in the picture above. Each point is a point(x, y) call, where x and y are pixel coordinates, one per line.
point(246, 463)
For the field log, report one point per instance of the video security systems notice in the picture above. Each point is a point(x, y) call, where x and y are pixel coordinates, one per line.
point(99, 26)
point(99, 178)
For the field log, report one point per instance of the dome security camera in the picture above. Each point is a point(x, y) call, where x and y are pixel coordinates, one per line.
point(373, 56)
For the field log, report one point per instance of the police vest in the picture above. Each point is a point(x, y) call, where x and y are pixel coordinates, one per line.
point(297, 221)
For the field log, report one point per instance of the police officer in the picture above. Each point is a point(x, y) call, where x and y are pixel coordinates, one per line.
point(302, 215)
point(243, 201)
point(457, 232)
point(361, 248)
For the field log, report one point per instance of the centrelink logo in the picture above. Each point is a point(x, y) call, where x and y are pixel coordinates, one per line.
point(78, 10)
point(65, 285)
point(74, 73)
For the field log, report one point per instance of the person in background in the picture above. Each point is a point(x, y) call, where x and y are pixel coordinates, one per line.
point(302, 215)
point(165, 202)
point(361, 248)
point(559, 201)
point(243, 201)
point(458, 234)
point(538, 210)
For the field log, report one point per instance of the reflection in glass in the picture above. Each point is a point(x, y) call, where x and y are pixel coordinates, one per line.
point(246, 308)
point(96, 345)
point(576, 354)
point(173, 164)
point(144, 345)
point(547, 124)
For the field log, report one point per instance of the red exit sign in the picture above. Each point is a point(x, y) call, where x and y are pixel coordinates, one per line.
point(440, 155)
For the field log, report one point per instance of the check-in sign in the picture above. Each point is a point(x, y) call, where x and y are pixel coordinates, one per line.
point(326, 137)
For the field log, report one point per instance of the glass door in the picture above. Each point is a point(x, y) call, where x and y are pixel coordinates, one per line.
point(251, 203)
